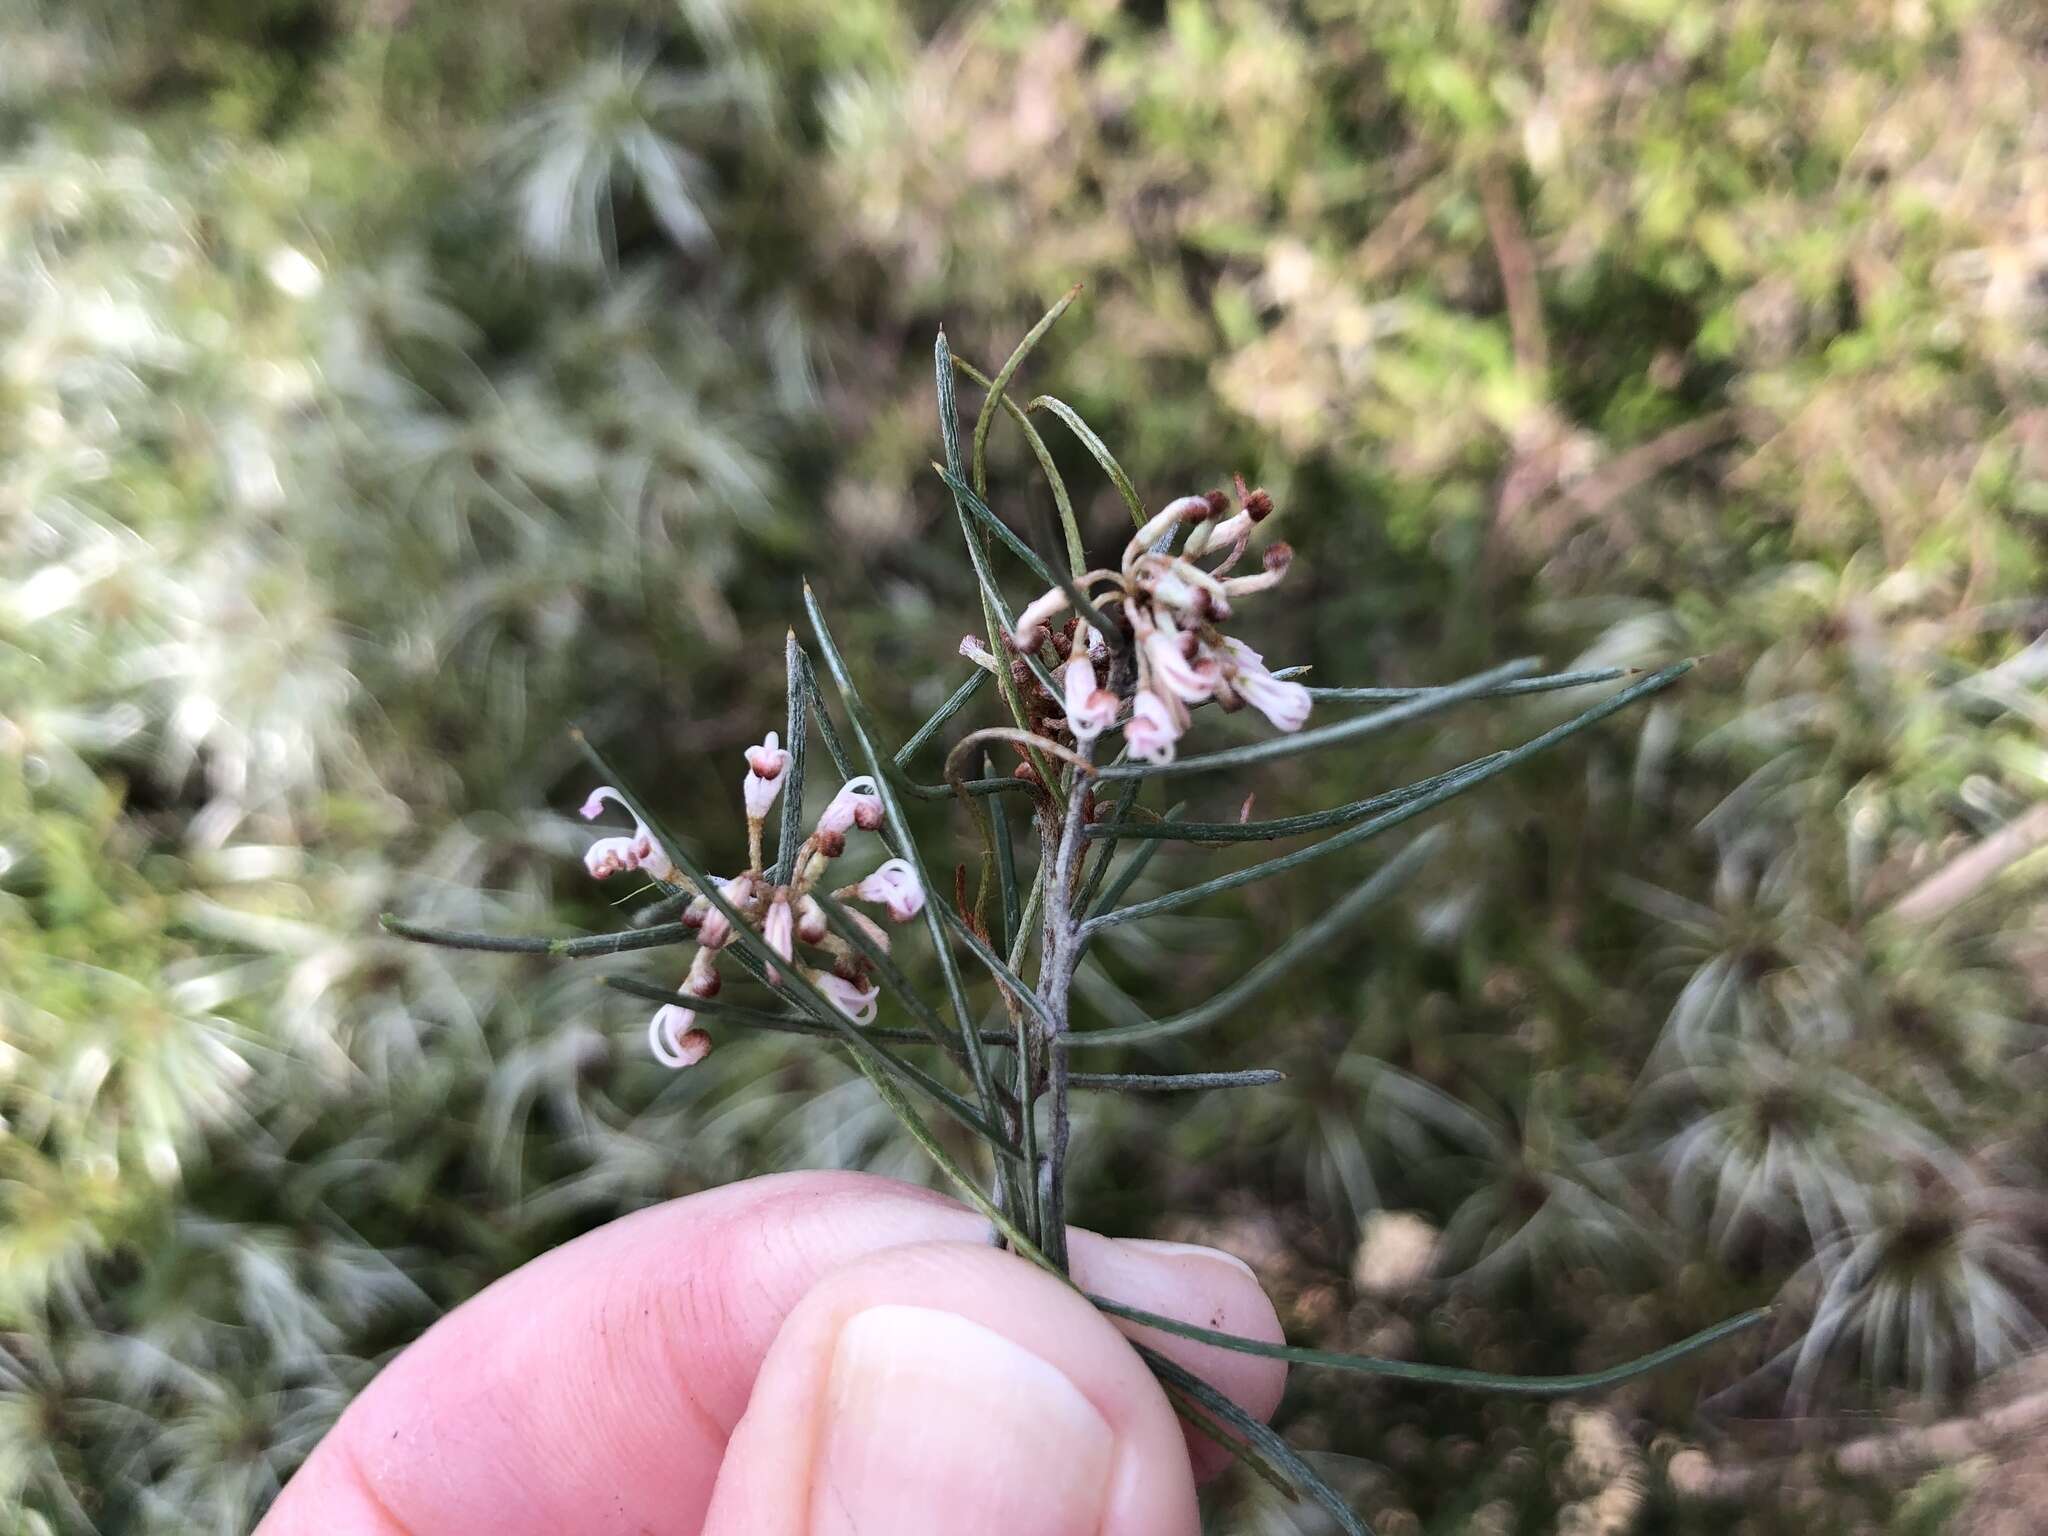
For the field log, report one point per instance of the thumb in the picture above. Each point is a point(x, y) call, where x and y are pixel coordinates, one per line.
point(946, 1387)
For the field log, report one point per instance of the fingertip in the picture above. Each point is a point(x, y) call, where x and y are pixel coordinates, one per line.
point(948, 1387)
point(1204, 1286)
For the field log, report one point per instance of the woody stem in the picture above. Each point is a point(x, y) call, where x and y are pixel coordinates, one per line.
point(1062, 956)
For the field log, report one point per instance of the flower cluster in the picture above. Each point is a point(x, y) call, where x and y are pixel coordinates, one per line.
point(1169, 610)
point(785, 915)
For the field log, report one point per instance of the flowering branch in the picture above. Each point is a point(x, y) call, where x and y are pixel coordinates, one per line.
point(1131, 650)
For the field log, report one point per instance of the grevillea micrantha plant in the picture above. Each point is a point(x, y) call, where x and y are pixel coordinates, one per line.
point(1104, 681)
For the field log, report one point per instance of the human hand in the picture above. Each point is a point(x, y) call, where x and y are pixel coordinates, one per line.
point(805, 1354)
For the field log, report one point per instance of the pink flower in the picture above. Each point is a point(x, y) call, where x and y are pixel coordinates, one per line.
point(779, 929)
point(674, 1040)
point(1285, 703)
point(766, 770)
point(894, 886)
point(1091, 710)
point(716, 930)
point(1151, 731)
point(1030, 632)
point(593, 803)
point(1185, 508)
point(850, 998)
point(1275, 562)
point(609, 855)
point(1191, 681)
point(811, 926)
point(1281, 701)
point(856, 805)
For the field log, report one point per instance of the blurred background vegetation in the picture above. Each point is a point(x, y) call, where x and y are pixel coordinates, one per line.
point(385, 384)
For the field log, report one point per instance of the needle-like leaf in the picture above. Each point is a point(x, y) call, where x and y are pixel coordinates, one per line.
point(1487, 769)
point(955, 702)
point(1063, 504)
point(1548, 684)
point(1046, 575)
point(575, 947)
point(1099, 449)
point(1176, 1082)
point(791, 833)
point(896, 832)
point(998, 386)
point(1303, 944)
point(1446, 1375)
point(1285, 1460)
point(1290, 826)
point(1327, 735)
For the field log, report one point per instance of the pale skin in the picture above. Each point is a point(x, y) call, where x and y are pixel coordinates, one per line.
point(811, 1354)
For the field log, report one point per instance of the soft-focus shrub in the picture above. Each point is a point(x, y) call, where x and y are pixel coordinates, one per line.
point(364, 419)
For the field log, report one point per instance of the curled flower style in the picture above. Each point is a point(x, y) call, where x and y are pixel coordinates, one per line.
point(893, 887)
point(609, 856)
point(674, 1039)
point(856, 805)
point(851, 998)
point(672, 1034)
point(1171, 608)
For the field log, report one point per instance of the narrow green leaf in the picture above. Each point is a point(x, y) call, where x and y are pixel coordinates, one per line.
point(949, 410)
point(1445, 1375)
point(1097, 448)
point(1285, 1460)
point(1006, 871)
point(991, 961)
point(896, 832)
point(1238, 1447)
point(1326, 735)
point(1489, 768)
point(878, 1039)
point(1046, 575)
point(1293, 826)
point(1000, 384)
point(995, 613)
point(1106, 831)
point(577, 947)
point(945, 712)
point(1506, 690)
point(1303, 944)
point(1063, 504)
point(842, 761)
point(790, 836)
point(921, 1133)
point(1175, 1082)
point(1134, 867)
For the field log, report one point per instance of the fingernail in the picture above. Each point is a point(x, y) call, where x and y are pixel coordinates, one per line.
point(1190, 1250)
point(933, 1423)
